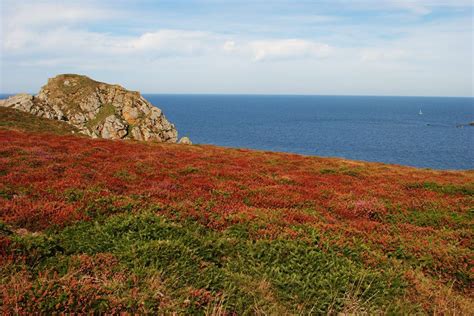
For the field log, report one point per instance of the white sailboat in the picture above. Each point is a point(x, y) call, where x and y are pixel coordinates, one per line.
point(420, 113)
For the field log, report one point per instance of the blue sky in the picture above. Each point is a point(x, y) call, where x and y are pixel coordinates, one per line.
point(336, 47)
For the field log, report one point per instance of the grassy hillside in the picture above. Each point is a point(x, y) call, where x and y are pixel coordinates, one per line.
point(13, 119)
point(110, 226)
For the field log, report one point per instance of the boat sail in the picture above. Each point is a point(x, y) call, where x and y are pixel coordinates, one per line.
point(420, 113)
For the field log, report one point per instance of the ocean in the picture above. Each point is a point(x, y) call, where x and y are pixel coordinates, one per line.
point(370, 128)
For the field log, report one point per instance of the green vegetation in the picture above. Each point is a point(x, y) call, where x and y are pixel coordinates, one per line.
point(104, 112)
point(433, 217)
point(450, 188)
point(328, 171)
point(189, 170)
point(444, 188)
point(467, 189)
point(346, 170)
point(14, 119)
point(195, 268)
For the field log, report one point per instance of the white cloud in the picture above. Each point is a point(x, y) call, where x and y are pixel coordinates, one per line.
point(229, 46)
point(176, 42)
point(54, 41)
point(383, 54)
point(288, 49)
point(53, 27)
point(308, 18)
point(53, 30)
point(73, 42)
point(22, 14)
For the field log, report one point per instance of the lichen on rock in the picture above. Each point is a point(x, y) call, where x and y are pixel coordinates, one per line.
point(97, 109)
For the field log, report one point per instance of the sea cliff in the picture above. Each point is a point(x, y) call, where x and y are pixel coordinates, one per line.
point(97, 109)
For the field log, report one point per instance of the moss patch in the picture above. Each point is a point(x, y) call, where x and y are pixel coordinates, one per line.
point(104, 112)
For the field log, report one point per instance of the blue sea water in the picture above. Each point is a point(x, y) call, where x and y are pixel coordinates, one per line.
point(370, 128)
point(383, 129)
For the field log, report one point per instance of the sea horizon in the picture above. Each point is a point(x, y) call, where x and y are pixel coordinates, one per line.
point(386, 129)
point(7, 94)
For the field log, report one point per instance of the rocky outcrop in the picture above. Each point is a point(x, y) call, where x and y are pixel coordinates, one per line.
point(185, 140)
point(27, 103)
point(97, 109)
